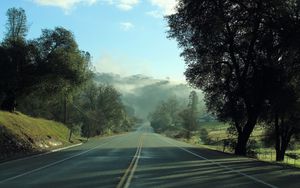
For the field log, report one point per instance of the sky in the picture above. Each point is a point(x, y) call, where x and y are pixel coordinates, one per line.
point(124, 37)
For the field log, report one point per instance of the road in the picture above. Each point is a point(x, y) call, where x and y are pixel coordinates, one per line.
point(142, 159)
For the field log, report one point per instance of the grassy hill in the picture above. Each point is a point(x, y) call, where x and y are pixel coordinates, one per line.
point(22, 135)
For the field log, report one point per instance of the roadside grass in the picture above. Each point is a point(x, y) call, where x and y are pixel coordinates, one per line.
point(269, 154)
point(21, 134)
point(217, 132)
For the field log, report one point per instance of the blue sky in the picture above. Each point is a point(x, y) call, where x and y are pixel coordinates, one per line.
point(124, 36)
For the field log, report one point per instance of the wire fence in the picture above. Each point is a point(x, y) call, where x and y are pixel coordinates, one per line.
point(290, 158)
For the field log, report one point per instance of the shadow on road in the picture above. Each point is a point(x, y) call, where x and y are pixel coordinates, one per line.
point(158, 166)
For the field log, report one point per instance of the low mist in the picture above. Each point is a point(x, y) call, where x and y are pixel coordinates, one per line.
point(143, 93)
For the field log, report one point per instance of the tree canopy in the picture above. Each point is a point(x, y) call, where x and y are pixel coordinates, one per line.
point(50, 64)
point(234, 51)
point(51, 77)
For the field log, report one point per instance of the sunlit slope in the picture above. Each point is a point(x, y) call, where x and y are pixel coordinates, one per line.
point(21, 134)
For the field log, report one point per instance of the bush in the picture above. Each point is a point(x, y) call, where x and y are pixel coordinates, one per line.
point(204, 136)
point(229, 143)
point(252, 147)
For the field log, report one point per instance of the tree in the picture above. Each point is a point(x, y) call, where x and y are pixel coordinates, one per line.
point(166, 115)
point(16, 25)
point(62, 67)
point(230, 48)
point(104, 110)
point(14, 58)
point(283, 115)
point(189, 115)
point(51, 64)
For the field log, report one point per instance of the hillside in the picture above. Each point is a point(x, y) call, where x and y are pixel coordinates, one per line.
point(22, 135)
point(144, 93)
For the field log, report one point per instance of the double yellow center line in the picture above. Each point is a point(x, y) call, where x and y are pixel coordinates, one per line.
point(128, 175)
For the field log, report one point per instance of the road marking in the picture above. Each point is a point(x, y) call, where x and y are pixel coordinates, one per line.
point(59, 149)
point(128, 175)
point(52, 164)
point(40, 154)
point(222, 166)
point(52, 151)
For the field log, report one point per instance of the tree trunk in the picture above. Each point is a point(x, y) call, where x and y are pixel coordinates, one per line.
point(241, 146)
point(278, 141)
point(70, 134)
point(65, 110)
point(280, 155)
point(9, 103)
point(244, 135)
point(283, 133)
point(188, 135)
point(280, 152)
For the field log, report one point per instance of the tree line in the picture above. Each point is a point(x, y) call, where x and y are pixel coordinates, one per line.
point(51, 77)
point(244, 55)
point(175, 117)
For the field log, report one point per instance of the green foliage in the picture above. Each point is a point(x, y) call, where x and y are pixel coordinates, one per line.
point(50, 77)
point(236, 52)
point(166, 116)
point(204, 136)
point(104, 110)
point(49, 65)
point(63, 66)
point(170, 115)
point(16, 25)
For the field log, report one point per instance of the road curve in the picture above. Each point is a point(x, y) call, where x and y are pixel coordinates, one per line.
point(142, 159)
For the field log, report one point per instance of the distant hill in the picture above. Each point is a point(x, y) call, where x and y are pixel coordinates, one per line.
point(22, 135)
point(143, 93)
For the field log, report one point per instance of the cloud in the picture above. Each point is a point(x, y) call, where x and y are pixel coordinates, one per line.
point(127, 4)
point(155, 14)
point(67, 5)
point(164, 8)
point(126, 26)
point(124, 5)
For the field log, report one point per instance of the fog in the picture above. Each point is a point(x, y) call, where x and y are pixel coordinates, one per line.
point(143, 93)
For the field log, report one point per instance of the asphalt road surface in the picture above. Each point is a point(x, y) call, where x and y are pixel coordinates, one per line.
point(143, 159)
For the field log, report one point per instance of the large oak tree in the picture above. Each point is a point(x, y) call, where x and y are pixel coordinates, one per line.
point(231, 48)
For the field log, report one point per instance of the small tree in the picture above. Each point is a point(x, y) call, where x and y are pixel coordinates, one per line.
point(189, 115)
point(204, 136)
point(16, 25)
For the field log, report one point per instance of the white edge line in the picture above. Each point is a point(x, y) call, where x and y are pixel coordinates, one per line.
point(223, 166)
point(52, 164)
point(40, 154)
point(59, 149)
point(48, 152)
